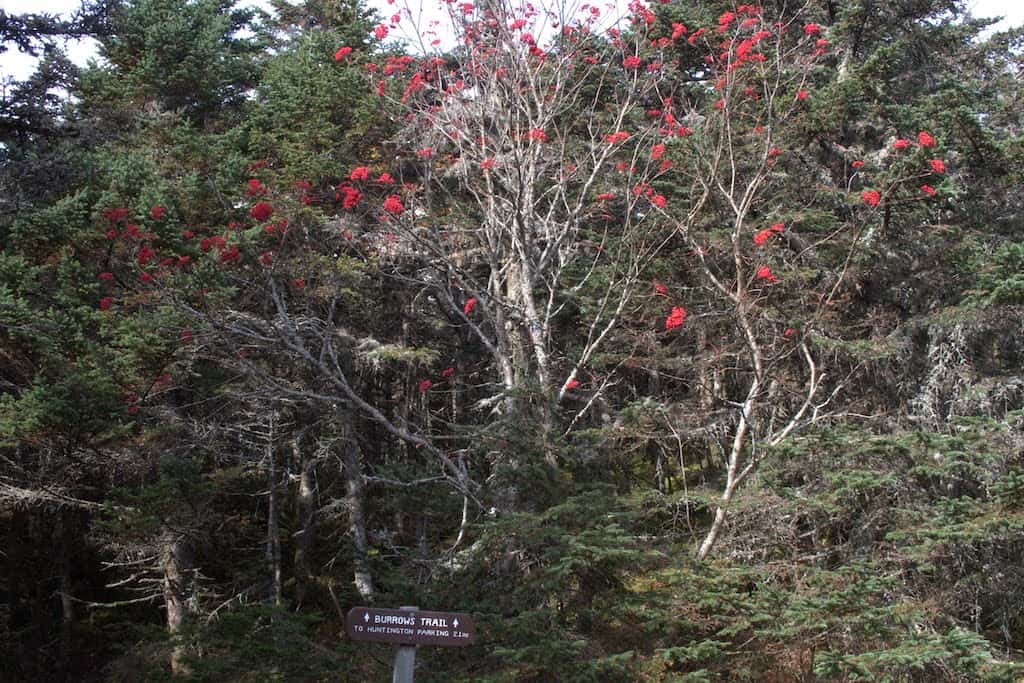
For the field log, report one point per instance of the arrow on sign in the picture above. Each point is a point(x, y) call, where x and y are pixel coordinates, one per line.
point(456, 622)
point(366, 616)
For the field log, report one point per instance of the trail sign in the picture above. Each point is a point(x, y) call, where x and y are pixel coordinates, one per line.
point(410, 627)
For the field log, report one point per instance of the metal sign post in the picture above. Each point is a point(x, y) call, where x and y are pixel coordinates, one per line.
point(405, 659)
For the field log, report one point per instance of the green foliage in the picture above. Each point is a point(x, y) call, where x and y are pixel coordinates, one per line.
point(1000, 280)
point(563, 572)
point(306, 117)
point(178, 495)
point(260, 643)
point(78, 406)
point(185, 54)
point(52, 225)
point(376, 354)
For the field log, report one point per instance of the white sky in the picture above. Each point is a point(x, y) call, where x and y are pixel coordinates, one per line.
point(17, 65)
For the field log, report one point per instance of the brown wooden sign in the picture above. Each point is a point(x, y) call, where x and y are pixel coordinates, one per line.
point(410, 627)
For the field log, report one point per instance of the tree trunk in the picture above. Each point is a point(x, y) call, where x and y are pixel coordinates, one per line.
point(733, 475)
point(175, 563)
point(273, 527)
point(355, 504)
point(716, 528)
point(305, 538)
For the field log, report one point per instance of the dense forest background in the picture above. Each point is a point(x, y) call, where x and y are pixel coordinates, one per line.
point(685, 345)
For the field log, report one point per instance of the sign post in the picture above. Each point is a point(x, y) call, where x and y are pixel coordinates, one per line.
point(407, 628)
point(405, 659)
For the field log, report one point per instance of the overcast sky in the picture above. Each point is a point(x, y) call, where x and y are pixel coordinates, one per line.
point(13, 63)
